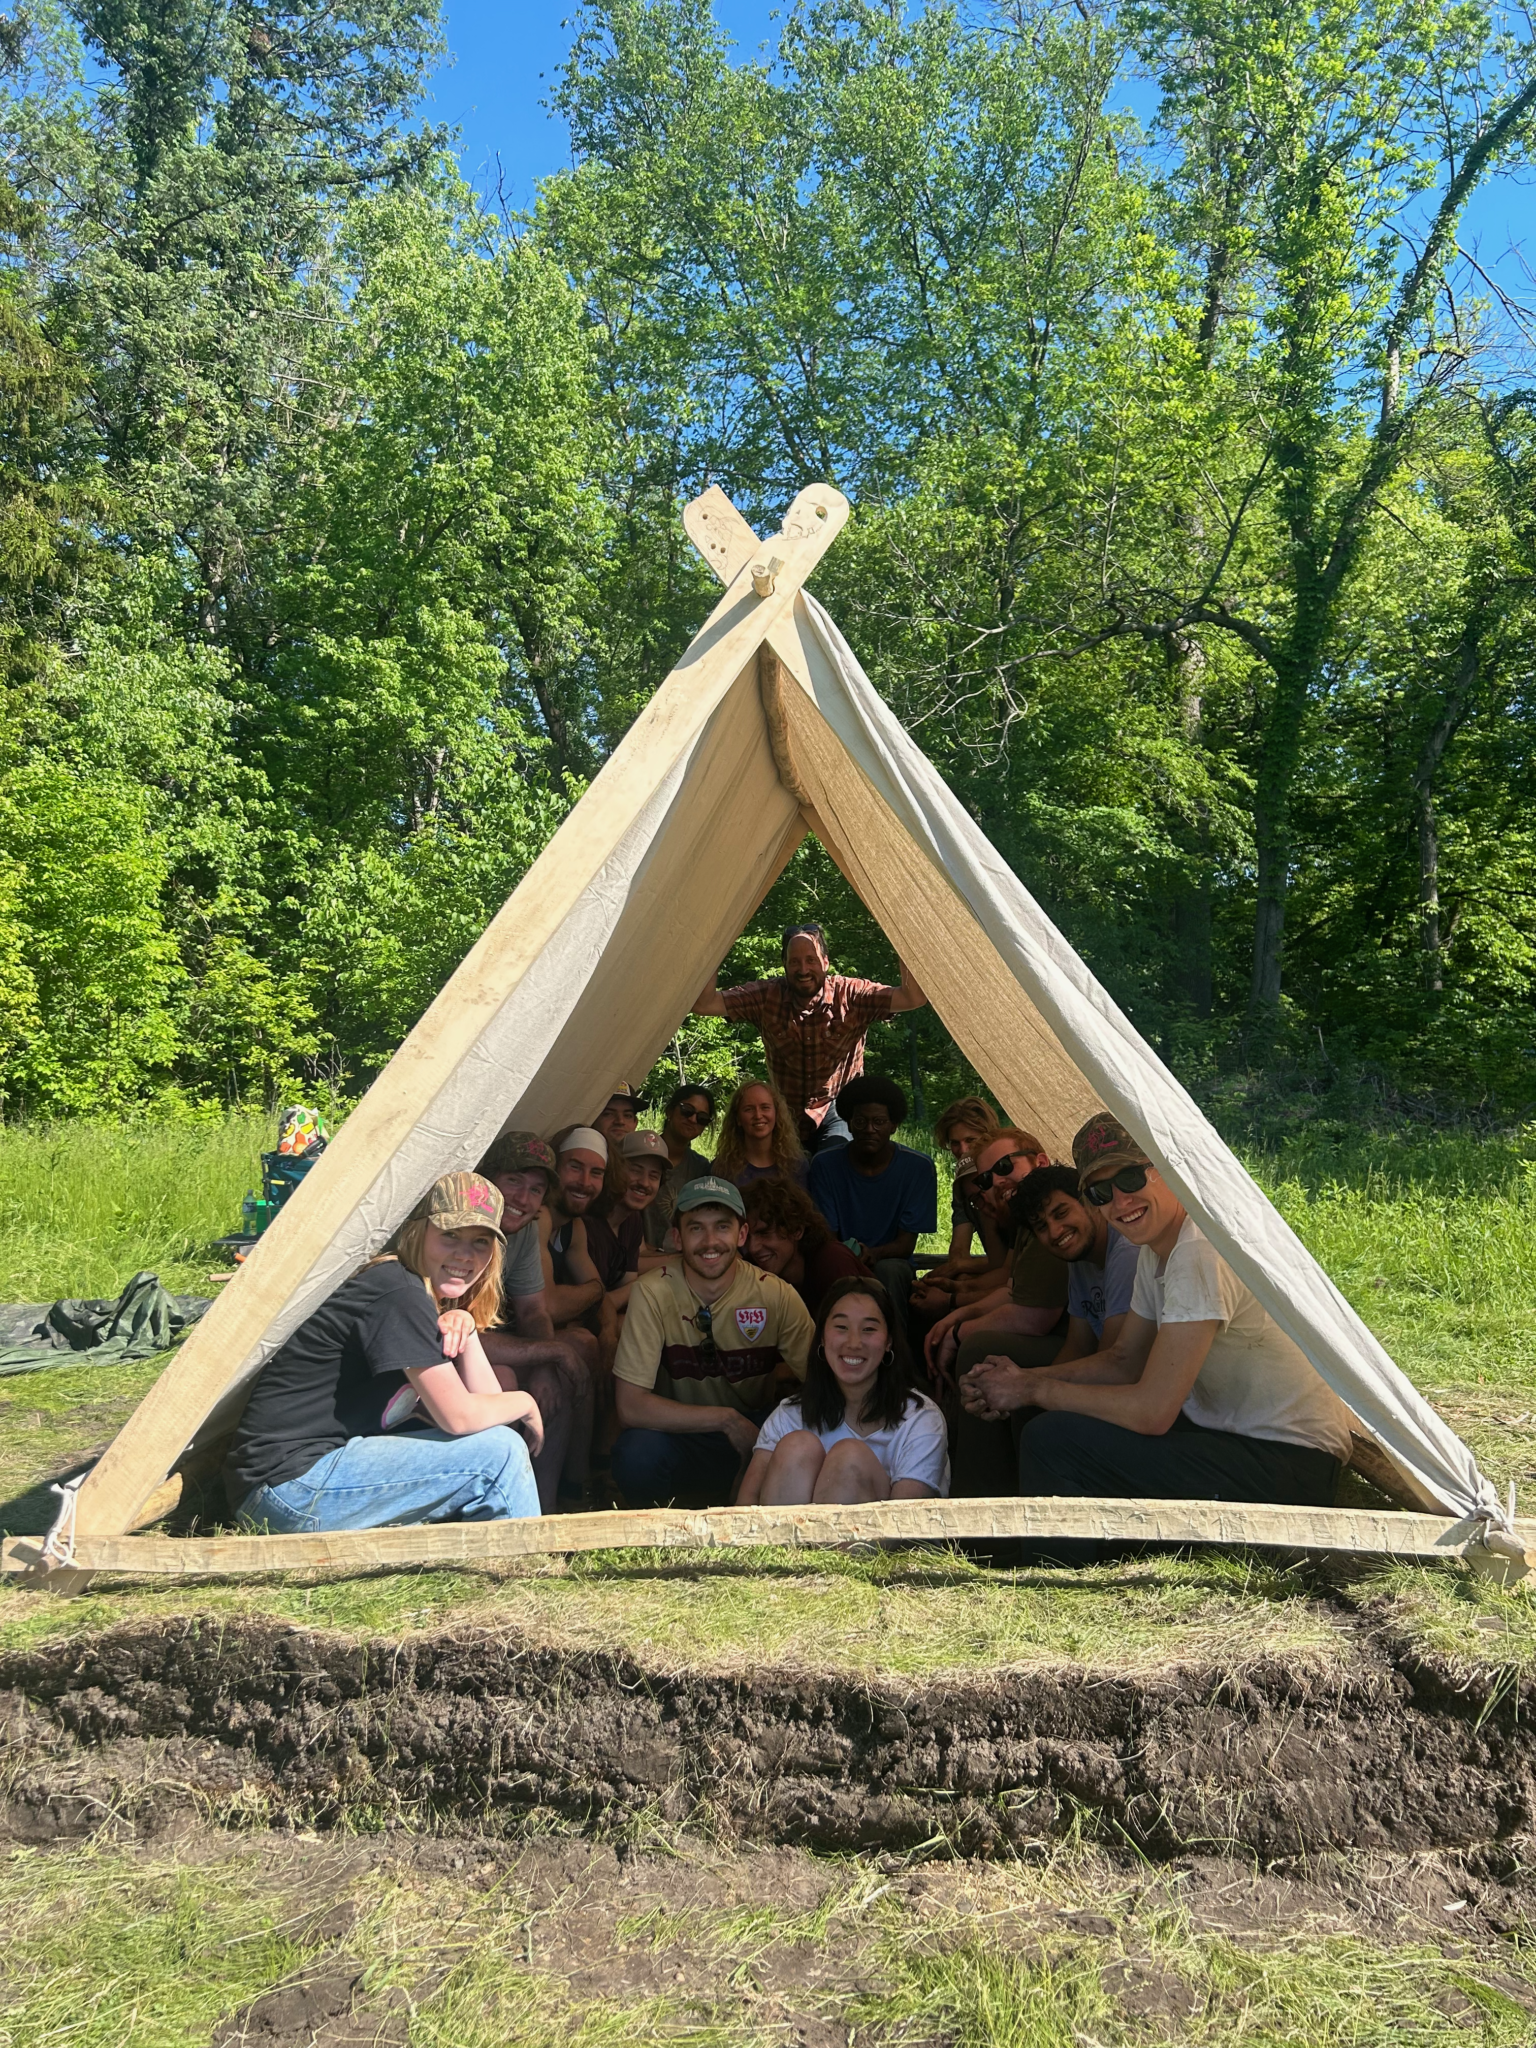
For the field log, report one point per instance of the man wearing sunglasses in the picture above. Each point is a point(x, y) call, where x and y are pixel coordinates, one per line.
point(1202, 1396)
point(1032, 1293)
point(705, 1353)
point(814, 1024)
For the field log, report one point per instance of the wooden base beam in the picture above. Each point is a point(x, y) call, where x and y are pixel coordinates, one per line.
point(1351, 1532)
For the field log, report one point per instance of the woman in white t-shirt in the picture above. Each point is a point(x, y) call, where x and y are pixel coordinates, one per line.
point(856, 1430)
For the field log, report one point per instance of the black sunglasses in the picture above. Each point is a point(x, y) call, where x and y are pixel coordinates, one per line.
point(1002, 1171)
point(690, 1115)
point(1130, 1180)
point(704, 1320)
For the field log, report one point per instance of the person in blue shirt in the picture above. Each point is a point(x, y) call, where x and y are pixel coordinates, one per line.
point(878, 1196)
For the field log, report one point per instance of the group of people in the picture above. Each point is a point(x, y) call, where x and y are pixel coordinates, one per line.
point(612, 1312)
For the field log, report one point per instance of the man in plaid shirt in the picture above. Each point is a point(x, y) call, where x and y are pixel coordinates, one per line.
point(814, 1024)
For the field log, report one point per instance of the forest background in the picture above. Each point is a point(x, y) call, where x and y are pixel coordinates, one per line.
point(1194, 466)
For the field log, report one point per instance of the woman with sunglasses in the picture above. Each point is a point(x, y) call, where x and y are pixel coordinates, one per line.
point(689, 1113)
point(856, 1430)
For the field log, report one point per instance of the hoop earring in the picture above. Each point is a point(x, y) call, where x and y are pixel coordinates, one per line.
point(890, 1355)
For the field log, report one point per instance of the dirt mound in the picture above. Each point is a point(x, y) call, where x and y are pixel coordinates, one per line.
point(480, 1729)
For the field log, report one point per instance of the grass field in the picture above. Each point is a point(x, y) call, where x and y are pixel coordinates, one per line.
point(444, 1943)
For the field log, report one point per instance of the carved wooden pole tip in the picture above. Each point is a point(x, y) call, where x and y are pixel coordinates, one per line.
point(765, 574)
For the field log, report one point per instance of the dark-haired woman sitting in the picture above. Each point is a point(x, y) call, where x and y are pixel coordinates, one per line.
point(855, 1431)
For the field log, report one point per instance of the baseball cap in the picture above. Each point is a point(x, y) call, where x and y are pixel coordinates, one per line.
point(585, 1139)
point(710, 1188)
point(625, 1092)
point(965, 1166)
point(462, 1201)
point(645, 1145)
point(519, 1152)
point(1102, 1146)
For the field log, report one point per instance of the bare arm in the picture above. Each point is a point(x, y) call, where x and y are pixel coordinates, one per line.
point(750, 1492)
point(914, 1489)
point(901, 1247)
point(1081, 1342)
point(1148, 1403)
point(907, 996)
point(709, 1002)
point(566, 1304)
point(531, 1317)
point(644, 1408)
point(462, 1412)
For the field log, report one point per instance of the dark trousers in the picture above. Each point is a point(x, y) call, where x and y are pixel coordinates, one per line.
point(822, 1137)
point(986, 1454)
point(653, 1468)
point(1079, 1454)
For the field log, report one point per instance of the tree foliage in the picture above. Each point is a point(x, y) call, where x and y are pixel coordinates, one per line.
point(1192, 465)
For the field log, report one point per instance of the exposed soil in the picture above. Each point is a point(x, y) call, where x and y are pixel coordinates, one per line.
point(599, 1922)
point(480, 1729)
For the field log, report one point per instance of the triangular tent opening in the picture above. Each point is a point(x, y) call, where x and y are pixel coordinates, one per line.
point(766, 729)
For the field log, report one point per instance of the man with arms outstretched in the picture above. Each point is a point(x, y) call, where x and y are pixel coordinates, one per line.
point(707, 1350)
point(814, 1024)
point(1202, 1396)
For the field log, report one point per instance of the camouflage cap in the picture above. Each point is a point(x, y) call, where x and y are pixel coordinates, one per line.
point(1102, 1146)
point(519, 1152)
point(463, 1201)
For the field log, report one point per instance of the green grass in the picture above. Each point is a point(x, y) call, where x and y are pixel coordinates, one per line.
point(85, 1206)
point(104, 1953)
point(907, 1613)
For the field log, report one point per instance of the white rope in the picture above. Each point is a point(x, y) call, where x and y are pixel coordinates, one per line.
point(59, 1544)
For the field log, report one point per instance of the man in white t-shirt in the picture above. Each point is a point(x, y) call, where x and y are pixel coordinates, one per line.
point(1202, 1396)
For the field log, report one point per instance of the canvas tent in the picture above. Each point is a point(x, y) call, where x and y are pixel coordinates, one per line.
point(767, 728)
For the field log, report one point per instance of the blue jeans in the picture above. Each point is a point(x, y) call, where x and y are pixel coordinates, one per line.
point(425, 1475)
point(652, 1468)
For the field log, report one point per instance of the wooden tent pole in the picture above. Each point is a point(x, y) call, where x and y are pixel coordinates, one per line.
point(1354, 1532)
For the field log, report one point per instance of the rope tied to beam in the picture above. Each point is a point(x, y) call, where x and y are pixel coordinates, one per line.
point(59, 1543)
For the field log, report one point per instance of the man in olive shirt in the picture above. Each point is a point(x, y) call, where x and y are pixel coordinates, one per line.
point(706, 1352)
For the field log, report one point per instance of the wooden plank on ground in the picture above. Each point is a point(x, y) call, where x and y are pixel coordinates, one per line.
point(1351, 1531)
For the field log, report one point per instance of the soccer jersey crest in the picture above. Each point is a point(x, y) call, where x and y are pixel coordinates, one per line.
point(751, 1322)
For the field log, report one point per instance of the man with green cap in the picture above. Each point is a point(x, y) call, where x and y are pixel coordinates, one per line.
point(707, 1350)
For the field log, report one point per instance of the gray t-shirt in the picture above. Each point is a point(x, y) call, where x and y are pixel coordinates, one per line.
point(1096, 1293)
point(522, 1270)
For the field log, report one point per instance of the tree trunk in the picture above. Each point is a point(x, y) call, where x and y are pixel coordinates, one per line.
point(1279, 759)
point(1453, 713)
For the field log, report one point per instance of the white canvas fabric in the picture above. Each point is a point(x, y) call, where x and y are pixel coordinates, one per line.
point(1213, 1185)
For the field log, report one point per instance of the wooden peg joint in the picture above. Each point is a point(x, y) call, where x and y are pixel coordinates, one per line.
point(765, 574)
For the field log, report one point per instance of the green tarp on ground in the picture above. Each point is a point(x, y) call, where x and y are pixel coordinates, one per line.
point(36, 1336)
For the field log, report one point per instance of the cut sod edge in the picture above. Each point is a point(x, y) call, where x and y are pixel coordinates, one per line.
point(1327, 1531)
point(259, 1721)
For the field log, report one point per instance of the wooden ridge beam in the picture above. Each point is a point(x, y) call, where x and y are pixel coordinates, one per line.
point(1357, 1532)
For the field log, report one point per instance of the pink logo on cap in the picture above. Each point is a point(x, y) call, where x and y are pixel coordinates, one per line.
point(479, 1196)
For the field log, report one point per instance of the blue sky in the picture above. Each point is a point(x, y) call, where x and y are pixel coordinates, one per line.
point(506, 54)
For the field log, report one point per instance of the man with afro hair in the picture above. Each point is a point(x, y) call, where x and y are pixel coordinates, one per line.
point(879, 1197)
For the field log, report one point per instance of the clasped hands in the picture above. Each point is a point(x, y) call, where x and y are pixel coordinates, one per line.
point(995, 1387)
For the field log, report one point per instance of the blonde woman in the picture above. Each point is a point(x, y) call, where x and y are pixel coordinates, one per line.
point(382, 1407)
point(758, 1138)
